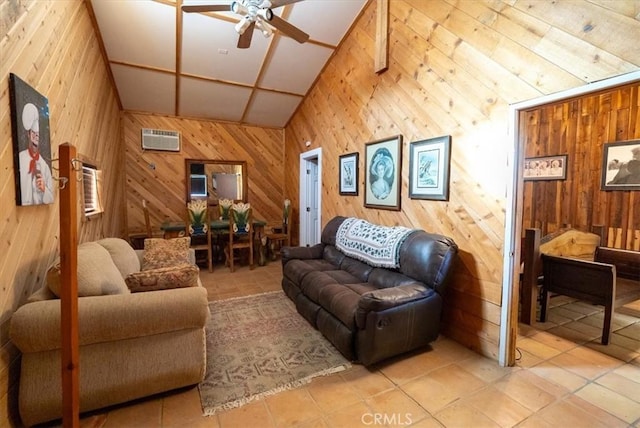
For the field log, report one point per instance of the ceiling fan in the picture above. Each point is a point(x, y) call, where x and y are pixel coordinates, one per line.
point(255, 13)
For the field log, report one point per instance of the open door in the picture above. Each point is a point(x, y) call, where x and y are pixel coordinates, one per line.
point(310, 197)
point(514, 208)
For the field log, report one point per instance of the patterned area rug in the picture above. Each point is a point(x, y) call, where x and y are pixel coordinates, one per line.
point(259, 345)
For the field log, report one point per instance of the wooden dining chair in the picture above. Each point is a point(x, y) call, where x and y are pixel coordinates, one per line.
point(241, 233)
point(199, 228)
point(280, 236)
point(137, 239)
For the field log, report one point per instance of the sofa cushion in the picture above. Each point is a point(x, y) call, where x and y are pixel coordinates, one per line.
point(313, 284)
point(356, 268)
point(295, 270)
point(342, 277)
point(185, 275)
point(332, 255)
point(383, 278)
point(428, 258)
point(341, 302)
point(43, 293)
point(97, 274)
point(330, 230)
point(160, 253)
point(122, 254)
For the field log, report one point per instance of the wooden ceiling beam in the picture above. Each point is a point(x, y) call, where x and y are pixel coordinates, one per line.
point(381, 61)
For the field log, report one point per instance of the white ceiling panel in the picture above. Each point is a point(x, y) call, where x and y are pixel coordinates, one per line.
point(145, 90)
point(272, 108)
point(294, 66)
point(325, 20)
point(216, 79)
point(201, 98)
point(209, 49)
point(138, 32)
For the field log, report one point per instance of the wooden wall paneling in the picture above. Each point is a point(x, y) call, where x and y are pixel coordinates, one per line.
point(159, 177)
point(601, 118)
point(625, 8)
point(453, 69)
point(52, 46)
point(605, 28)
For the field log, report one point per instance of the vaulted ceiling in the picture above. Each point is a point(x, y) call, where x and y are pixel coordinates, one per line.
point(169, 62)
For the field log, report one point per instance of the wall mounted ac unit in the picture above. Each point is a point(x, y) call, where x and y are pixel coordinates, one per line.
point(156, 139)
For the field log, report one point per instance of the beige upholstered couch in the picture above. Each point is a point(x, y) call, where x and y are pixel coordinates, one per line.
point(131, 344)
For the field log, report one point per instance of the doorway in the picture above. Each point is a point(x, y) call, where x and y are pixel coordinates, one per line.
point(514, 208)
point(310, 197)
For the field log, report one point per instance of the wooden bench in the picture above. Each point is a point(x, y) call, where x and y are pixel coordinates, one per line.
point(627, 265)
point(611, 280)
point(565, 243)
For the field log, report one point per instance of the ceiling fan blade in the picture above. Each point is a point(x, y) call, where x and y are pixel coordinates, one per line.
point(244, 41)
point(206, 8)
point(278, 3)
point(294, 32)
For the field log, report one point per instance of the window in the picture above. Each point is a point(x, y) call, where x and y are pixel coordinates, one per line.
point(198, 185)
point(92, 190)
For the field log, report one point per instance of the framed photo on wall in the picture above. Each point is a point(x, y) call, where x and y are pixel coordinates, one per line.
point(621, 166)
point(382, 184)
point(545, 168)
point(31, 144)
point(348, 177)
point(429, 163)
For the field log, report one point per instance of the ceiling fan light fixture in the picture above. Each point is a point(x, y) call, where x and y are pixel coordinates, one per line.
point(266, 14)
point(254, 13)
point(265, 28)
point(242, 25)
point(239, 8)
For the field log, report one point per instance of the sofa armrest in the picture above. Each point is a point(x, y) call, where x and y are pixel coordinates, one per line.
point(290, 253)
point(36, 326)
point(385, 298)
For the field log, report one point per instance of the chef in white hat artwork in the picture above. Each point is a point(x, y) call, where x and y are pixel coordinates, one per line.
point(36, 184)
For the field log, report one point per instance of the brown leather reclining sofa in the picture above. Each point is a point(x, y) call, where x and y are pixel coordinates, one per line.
point(371, 313)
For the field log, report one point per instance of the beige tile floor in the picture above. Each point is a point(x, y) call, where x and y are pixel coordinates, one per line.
point(561, 380)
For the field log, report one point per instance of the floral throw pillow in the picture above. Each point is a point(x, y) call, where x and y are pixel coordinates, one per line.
point(185, 275)
point(161, 253)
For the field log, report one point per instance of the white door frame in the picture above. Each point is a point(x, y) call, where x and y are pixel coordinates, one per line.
point(513, 218)
point(306, 158)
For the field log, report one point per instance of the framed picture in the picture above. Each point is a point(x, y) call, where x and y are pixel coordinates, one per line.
point(383, 160)
point(429, 162)
point(31, 145)
point(545, 168)
point(621, 166)
point(349, 174)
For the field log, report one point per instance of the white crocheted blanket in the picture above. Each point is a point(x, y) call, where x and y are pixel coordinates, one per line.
point(375, 245)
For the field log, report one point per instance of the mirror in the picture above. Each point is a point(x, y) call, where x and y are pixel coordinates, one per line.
point(216, 179)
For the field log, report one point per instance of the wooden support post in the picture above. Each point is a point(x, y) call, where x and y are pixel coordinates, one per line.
point(382, 37)
point(532, 269)
point(69, 291)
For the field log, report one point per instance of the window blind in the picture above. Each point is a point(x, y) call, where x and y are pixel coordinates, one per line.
point(91, 184)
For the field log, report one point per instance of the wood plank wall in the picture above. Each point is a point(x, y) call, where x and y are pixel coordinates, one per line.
point(454, 68)
point(52, 46)
point(579, 128)
point(159, 177)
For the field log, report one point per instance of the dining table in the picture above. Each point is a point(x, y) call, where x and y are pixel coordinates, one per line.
point(176, 229)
